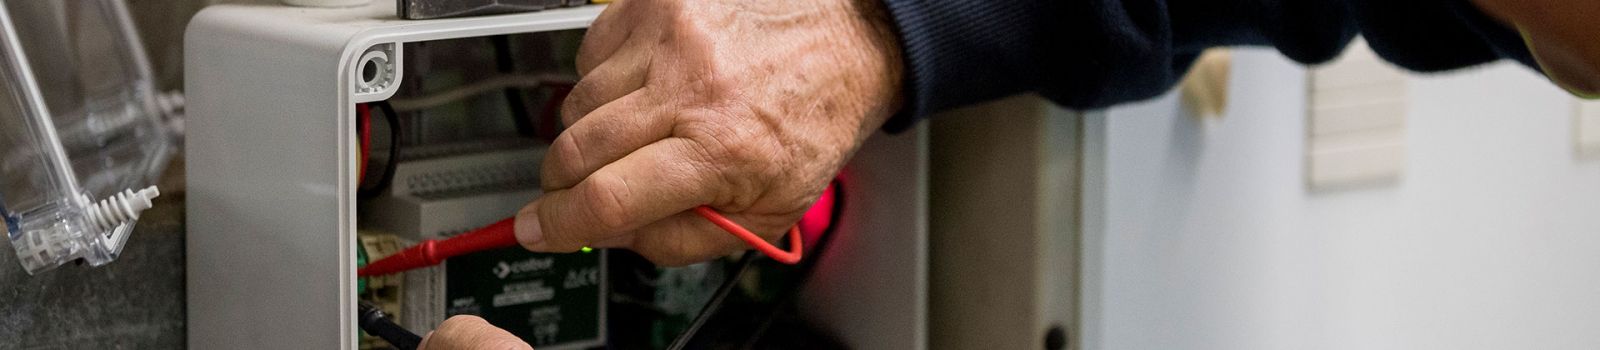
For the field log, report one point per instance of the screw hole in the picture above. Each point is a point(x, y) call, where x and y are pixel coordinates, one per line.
point(369, 72)
point(374, 72)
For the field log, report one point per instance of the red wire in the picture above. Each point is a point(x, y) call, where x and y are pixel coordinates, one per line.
point(790, 257)
point(364, 125)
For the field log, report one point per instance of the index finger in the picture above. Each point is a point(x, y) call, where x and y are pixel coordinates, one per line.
point(664, 178)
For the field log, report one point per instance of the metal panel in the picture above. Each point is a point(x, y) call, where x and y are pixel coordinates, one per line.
point(870, 289)
point(1004, 226)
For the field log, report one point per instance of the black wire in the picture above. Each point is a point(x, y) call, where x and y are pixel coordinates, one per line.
point(375, 322)
point(387, 177)
point(715, 302)
point(514, 99)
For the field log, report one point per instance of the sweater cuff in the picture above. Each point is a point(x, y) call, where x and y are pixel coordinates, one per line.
point(962, 52)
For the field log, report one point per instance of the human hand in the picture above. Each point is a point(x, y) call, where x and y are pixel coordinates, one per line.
point(466, 332)
point(1562, 36)
point(750, 107)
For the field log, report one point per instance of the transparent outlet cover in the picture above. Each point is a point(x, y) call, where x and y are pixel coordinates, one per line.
point(81, 139)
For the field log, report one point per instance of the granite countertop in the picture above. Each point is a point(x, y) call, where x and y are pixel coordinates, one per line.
point(135, 302)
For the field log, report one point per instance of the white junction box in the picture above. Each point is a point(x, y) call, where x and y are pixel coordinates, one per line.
point(272, 160)
point(272, 165)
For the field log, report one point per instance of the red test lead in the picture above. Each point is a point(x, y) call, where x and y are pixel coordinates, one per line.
point(431, 252)
point(503, 234)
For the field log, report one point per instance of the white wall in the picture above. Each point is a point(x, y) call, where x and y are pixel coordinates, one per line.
point(1202, 234)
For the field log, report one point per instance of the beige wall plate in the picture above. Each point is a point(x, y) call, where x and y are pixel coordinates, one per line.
point(1588, 128)
point(1355, 112)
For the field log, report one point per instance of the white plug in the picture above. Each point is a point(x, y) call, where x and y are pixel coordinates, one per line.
point(120, 208)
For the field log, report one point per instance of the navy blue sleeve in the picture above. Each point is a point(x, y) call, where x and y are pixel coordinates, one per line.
point(1096, 53)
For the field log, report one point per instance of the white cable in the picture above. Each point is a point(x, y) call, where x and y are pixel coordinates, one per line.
point(171, 103)
point(462, 92)
point(120, 208)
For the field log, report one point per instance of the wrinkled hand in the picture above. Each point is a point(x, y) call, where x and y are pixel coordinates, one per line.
point(466, 332)
point(1564, 36)
point(750, 107)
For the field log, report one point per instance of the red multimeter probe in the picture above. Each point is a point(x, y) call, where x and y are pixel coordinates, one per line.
point(503, 234)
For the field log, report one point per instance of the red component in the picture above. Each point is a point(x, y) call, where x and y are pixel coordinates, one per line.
point(431, 252)
point(820, 217)
point(364, 129)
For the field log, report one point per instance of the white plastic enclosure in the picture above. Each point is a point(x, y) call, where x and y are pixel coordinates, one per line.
point(272, 160)
point(271, 164)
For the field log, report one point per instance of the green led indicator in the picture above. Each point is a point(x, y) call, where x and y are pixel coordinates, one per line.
point(586, 249)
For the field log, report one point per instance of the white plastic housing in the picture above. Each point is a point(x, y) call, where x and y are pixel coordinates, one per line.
point(271, 160)
point(271, 164)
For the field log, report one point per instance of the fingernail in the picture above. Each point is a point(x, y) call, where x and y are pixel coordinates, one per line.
point(529, 232)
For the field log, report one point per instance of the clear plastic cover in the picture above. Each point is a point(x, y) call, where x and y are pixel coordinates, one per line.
point(78, 124)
